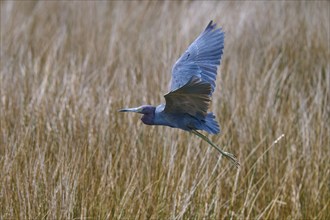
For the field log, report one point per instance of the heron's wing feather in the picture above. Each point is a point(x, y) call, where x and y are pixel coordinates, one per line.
point(192, 98)
point(201, 59)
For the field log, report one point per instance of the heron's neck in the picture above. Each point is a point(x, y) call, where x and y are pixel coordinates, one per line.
point(161, 118)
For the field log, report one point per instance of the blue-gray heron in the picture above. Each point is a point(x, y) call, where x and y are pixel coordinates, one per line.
point(192, 85)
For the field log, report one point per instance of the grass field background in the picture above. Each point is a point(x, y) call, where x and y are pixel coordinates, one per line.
point(66, 153)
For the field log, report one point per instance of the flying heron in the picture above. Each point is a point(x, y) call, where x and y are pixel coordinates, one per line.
point(192, 85)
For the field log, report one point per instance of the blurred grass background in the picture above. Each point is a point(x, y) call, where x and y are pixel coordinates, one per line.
point(66, 153)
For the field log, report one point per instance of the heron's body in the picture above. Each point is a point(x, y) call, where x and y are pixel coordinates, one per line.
point(184, 121)
point(193, 82)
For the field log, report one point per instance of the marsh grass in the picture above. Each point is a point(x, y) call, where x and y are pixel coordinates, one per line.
point(66, 153)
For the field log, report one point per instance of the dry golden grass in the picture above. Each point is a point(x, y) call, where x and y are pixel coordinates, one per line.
point(66, 153)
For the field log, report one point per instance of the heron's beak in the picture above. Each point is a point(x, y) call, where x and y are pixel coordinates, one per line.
point(137, 110)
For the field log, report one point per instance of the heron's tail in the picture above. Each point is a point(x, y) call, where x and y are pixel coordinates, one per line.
point(211, 125)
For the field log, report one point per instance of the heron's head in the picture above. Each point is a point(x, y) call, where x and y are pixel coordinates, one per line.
point(148, 112)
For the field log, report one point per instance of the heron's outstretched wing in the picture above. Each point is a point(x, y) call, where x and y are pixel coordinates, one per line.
point(192, 98)
point(201, 59)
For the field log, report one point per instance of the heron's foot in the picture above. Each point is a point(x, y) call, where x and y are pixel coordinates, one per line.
point(231, 157)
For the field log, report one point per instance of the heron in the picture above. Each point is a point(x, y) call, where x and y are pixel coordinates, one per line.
point(193, 82)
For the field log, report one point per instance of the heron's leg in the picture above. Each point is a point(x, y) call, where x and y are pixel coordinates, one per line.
point(226, 154)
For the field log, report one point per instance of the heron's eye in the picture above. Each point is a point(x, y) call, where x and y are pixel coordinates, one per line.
point(188, 54)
